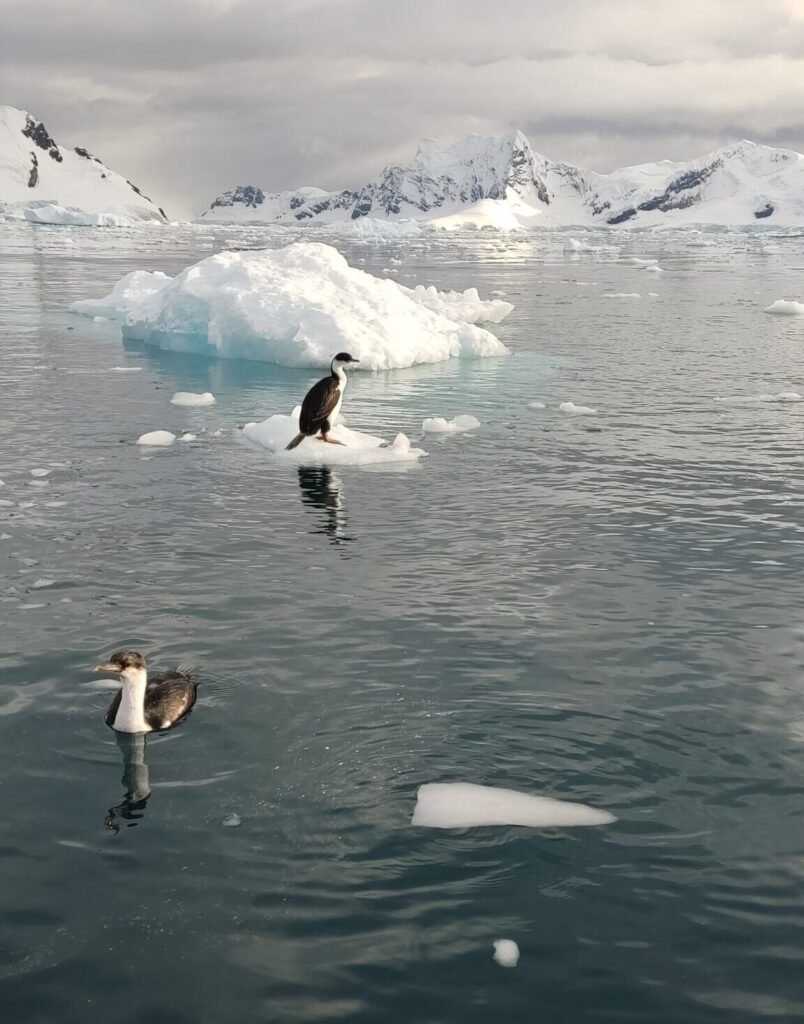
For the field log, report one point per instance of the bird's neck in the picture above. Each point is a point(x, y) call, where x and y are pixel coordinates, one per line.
point(339, 372)
point(130, 715)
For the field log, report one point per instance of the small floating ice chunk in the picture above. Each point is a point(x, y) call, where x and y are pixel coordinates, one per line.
point(232, 821)
point(40, 472)
point(536, 405)
point(29, 606)
point(506, 952)
point(189, 398)
point(2, 483)
point(465, 805)
point(40, 584)
point(188, 437)
point(157, 439)
point(127, 369)
point(100, 319)
point(621, 295)
point(571, 409)
point(653, 268)
point(439, 425)
point(785, 307)
point(358, 449)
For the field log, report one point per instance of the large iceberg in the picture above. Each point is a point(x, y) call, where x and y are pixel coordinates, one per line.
point(298, 306)
point(355, 449)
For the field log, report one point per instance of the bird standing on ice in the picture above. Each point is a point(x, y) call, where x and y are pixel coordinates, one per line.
point(143, 704)
point(322, 403)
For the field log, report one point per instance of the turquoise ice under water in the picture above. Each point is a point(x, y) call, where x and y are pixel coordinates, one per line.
point(602, 608)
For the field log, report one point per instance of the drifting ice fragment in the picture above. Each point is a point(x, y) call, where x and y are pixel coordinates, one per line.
point(784, 307)
point(536, 405)
point(157, 438)
point(465, 805)
point(438, 425)
point(571, 409)
point(190, 399)
point(40, 472)
point(506, 952)
point(232, 820)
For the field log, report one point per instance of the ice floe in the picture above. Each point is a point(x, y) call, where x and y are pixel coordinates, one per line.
point(536, 405)
point(785, 307)
point(41, 472)
point(439, 425)
point(466, 805)
point(188, 437)
point(571, 409)
point(297, 306)
point(128, 294)
point(358, 449)
point(157, 439)
point(40, 584)
point(190, 399)
point(506, 952)
point(621, 295)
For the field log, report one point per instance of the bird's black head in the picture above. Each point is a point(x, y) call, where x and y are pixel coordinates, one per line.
point(120, 661)
point(344, 357)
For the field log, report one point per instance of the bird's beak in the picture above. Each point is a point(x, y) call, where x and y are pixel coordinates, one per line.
point(355, 360)
point(107, 666)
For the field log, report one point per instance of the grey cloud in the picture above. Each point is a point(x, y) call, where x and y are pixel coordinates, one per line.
point(188, 97)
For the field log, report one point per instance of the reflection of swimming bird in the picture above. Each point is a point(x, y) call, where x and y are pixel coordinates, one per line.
point(322, 403)
point(143, 704)
point(135, 779)
point(321, 488)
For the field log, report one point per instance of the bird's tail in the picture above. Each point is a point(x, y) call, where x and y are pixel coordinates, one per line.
point(297, 440)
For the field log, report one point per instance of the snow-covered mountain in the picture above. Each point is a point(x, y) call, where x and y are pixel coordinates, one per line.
point(43, 182)
point(503, 182)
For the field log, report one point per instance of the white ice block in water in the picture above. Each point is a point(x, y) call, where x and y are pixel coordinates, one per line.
point(358, 449)
point(506, 952)
point(189, 398)
point(157, 439)
point(298, 306)
point(571, 409)
point(439, 425)
point(466, 805)
point(785, 307)
point(536, 405)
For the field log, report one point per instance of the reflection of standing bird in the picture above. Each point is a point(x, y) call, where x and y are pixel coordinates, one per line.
point(322, 489)
point(143, 704)
point(322, 403)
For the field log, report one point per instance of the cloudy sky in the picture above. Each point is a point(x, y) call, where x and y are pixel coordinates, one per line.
point(190, 97)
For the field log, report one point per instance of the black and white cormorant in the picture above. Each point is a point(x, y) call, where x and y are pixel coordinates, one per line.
point(322, 403)
point(143, 704)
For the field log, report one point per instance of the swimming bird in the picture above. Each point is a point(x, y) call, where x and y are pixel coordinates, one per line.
point(143, 704)
point(322, 403)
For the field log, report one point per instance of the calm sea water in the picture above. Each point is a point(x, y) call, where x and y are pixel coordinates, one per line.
point(603, 608)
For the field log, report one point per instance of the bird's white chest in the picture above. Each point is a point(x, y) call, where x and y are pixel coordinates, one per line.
point(130, 715)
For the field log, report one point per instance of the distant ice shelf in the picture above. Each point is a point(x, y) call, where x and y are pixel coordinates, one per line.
point(298, 306)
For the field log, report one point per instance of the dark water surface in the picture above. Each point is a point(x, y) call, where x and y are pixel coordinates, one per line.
point(602, 608)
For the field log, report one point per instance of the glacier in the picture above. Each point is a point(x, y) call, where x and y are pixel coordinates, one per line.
point(297, 306)
point(45, 183)
point(502, 182)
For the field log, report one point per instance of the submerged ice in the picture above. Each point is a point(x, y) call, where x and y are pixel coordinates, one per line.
point(465, 805)
point(297, 306)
